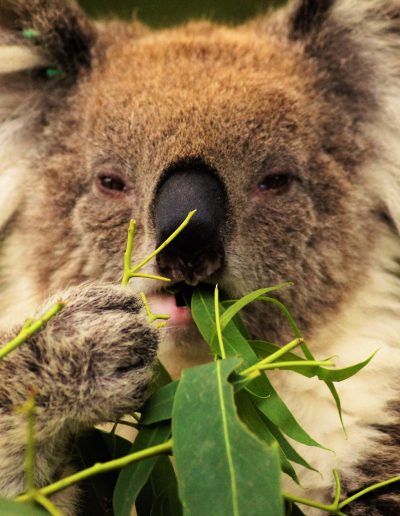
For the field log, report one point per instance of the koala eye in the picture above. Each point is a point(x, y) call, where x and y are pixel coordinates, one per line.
point(111, 183)
point(276, 184)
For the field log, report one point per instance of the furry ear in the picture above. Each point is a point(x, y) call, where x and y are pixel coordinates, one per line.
point(309, 16)
point(52, 33)
point(44, 46)
point(356, 46)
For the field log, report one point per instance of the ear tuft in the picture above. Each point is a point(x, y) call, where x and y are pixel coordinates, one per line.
point(309, 15)
point(55, 29)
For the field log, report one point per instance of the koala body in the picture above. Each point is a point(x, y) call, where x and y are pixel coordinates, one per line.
point(283, 132)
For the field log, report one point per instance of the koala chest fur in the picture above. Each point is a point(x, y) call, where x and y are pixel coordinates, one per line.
point(283, 134)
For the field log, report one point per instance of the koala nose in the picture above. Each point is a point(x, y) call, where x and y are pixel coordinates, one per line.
point(198, 251)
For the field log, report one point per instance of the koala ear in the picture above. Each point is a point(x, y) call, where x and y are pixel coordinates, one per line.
point(308, 16)
point(356, 47)
point(51, 38)
point(44, 46)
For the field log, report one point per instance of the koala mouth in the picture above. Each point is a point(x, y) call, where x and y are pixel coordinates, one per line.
point(174, 301)
point(182, 292)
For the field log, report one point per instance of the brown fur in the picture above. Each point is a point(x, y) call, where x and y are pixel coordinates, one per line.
point(292, 92)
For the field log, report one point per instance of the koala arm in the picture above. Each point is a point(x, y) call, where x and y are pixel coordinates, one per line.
point(91, 363)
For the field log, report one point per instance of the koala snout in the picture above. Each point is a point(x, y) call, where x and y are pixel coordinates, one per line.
point(197, 252)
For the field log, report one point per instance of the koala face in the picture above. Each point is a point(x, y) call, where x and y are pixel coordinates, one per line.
point(235, 123)
point(282, 133)
point(259, 132)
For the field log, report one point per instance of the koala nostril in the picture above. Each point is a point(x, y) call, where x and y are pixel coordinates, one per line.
point(198, 252)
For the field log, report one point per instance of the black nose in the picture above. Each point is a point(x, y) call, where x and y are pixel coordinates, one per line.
point(198, 251)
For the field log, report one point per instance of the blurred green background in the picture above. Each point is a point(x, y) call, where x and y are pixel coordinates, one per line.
point(160, 13)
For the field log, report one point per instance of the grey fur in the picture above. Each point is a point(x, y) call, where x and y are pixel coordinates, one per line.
point(81, 373)
point(311, 91)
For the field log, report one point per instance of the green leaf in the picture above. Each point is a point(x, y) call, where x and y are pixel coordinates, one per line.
point(269, 402)
point(11, 508)
point(159, 496)
point(264, 349)
point(276, 411)
point(133, 477)
point(222, 467)
point(254, 422)
point(237, 320)
point(161, 376)
point(92, 447)
point(286, 447)
point(159, 406)
point(246, 300)
point(306, 350)
point(116, 445)
point(167, 504)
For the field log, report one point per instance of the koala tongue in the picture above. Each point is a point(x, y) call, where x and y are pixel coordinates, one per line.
point(166, 304)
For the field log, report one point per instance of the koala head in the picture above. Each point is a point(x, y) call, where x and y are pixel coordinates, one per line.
point(267, 129)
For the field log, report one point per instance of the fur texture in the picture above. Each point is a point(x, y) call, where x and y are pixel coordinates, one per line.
point(309, 92)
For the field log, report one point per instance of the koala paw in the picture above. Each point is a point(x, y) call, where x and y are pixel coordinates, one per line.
point(93, 361)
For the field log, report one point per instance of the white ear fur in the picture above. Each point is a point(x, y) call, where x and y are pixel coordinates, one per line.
point(17, 109)
point(375, 27)
point(17, 58)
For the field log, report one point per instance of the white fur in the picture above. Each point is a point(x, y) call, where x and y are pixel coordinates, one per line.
point(17, 58)
point(368, 323)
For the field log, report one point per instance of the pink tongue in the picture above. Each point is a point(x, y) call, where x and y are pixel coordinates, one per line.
point(165, 304)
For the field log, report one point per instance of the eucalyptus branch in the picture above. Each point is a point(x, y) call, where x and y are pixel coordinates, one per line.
point(271, 358)
point(294, 363)
point(133, 272)
point(29, 409)
point(368, 490)
point(336, 506)
point(47, 504)
point(152, 316)
point(218, 322)
point(101, 467)
point(29, 328)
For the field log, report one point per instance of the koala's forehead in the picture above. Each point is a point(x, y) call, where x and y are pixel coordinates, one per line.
point(200, 90)
point(168, 73)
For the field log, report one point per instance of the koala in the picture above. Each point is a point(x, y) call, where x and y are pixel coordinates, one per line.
point(283, 134)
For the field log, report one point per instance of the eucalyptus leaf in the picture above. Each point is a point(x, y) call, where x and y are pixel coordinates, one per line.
point(253, 420)
point(159, 496)
point(97, 446)
point(159, 406)
point(264, 349)
point(290, 452)
point(11, 508)
point(306, 351)
point(133, 477)
point(222, 467)
point(236, 345)
point(236, 307)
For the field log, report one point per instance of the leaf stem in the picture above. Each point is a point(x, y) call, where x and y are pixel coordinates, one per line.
point(271, 358)
point(164, 244)
point(337, 506)
point(128, 252)
point(47, 504)
point(309, 503)
point(152, 317)
point(338, 486)
point(99, 468)
point(28, 331)
point(148, 276)
point(368, 490)
point(29, 409)
point(295, 363)
point(218, 322)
